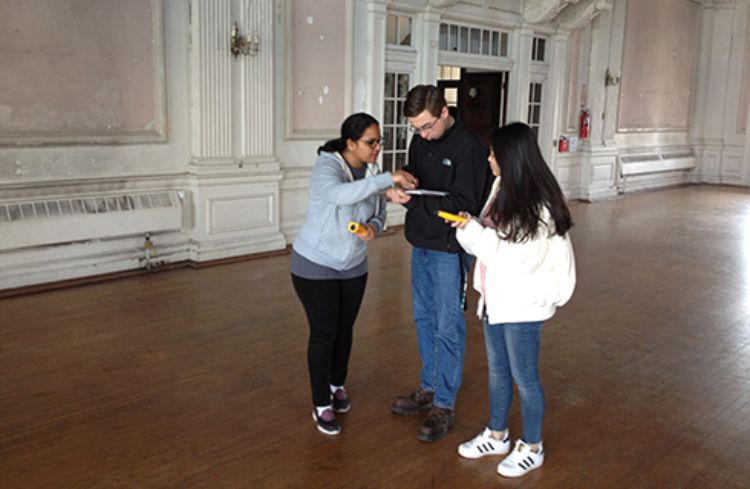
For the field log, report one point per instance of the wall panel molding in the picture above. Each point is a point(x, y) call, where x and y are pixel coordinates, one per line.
point(82, 73)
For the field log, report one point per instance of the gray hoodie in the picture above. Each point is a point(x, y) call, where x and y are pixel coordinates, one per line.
point(335, 199)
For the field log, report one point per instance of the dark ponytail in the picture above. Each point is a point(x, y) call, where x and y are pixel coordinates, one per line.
point(352, 128)
point(333, 146)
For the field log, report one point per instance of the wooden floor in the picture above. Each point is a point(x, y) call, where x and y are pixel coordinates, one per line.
point(197, 378)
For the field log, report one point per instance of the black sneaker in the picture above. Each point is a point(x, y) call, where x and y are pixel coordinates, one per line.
point(326, 422)
point(341, 402)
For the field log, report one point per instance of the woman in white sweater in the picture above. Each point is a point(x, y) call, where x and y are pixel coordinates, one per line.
point(525, 270)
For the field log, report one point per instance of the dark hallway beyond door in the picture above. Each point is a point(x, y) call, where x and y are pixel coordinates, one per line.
point(482, 98)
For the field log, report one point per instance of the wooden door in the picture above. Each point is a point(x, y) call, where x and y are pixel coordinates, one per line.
point(481, 97)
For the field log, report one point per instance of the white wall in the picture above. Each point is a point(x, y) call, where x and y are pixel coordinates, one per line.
point(237, 168)
point(44, 169)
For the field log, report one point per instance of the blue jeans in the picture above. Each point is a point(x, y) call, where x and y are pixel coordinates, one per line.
point(512, 355)
point(441, 328)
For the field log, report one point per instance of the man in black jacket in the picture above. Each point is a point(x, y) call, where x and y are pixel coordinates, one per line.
point(443, 155)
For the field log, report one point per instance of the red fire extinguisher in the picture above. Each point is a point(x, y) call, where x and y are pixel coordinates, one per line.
point(562, 144)
point(583, 124)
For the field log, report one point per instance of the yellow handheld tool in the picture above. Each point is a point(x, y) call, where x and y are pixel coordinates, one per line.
point(357, 228)
point(450, 217)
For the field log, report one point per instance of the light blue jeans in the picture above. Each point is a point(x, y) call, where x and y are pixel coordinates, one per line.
point(441, 328)
point(512, 355)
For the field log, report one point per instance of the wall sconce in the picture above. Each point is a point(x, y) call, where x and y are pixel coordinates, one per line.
point(248, 45)
point(611, 80)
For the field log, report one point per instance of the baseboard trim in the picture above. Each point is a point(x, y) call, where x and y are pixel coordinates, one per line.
point(106, 277)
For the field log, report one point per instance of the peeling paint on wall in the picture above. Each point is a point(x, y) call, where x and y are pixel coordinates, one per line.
point(318, 64)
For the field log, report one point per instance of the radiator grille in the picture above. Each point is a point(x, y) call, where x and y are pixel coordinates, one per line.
point(639, 164)
point(25, 223)
point(53, 209)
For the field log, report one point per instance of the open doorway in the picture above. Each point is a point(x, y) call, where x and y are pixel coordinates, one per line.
point(480, 97)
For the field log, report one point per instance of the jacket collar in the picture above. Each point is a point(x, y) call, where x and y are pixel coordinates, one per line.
point(372, 169)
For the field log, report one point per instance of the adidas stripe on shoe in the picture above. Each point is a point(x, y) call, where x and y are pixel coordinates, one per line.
point(521, 460)
point(484, 444)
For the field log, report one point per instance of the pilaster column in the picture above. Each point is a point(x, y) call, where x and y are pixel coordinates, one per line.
point(518, 107)
point(556, 90)
point(599, 172)
point(211, 94)
point(744, 13)
point(711, 102)
point(734, 163)
point(428, 36)
point(368, 71)
point(235, 174)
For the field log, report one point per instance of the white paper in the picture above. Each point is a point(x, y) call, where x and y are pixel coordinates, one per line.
point(427, 193)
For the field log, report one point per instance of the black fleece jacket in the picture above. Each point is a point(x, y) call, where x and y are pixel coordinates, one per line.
point(455, 163)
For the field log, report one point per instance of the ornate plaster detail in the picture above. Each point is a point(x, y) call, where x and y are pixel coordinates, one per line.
point(582, 13)
point(540, 11)
point(442, 3)
point(717, 3)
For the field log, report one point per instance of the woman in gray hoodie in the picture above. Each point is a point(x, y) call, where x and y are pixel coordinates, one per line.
point(329, 263)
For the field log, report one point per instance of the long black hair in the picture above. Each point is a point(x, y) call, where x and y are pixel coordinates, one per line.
point(527, 186)
point(352, 128)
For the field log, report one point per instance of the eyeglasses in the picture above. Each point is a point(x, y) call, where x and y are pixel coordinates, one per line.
point(426, 127)
point(373, 143)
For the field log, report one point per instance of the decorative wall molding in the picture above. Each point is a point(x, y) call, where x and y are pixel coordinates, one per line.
point(234, 173)
point(294, 190)
point(598, 172)
point(232, 95)
point(568, 173)
point(570, 14)
point(716, 4)
point(442, 3)
point(541, 11)
point(71, 108)
point(235, 216)
point(299, 69)
point(581, 13)
point(732, 165)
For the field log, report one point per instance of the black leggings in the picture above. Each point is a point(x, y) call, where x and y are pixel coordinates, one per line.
point(331, 307)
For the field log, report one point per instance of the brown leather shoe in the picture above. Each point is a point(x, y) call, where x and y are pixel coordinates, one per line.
point(414, 402)
point(436, 424)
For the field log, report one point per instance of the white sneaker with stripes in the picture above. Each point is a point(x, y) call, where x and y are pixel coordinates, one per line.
point(484, 444)
point(521, 460)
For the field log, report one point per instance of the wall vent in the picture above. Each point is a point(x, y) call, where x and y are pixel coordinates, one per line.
point(25, 223)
